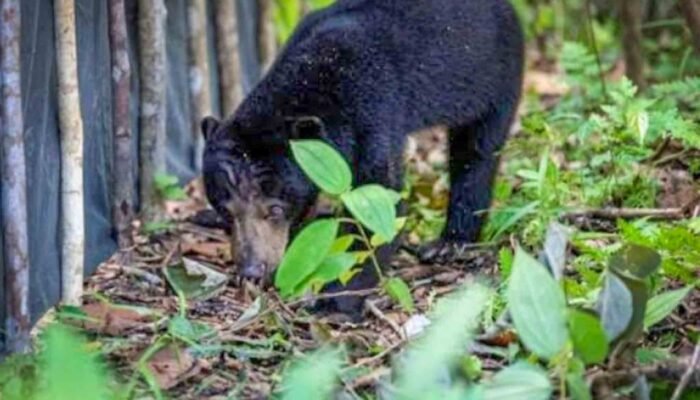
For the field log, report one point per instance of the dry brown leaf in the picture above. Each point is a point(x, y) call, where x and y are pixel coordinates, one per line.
point(114, 320)
point(172, 365)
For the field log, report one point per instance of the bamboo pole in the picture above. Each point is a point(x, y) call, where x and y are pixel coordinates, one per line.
point(691, 11)
point(200, 83)
point(152, 64)
point(71, 127)
point(14, 183)
point(267, 40)
point(229, 57)
point(123, 196)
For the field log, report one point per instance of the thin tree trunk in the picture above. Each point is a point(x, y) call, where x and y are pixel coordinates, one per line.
point(229, 57)
point(267, 40)
point(200, 84)
point(14, 183)
point(691, 11)
point(631, 21)
point(71, 127)
point(123, 196)
point(152, 57)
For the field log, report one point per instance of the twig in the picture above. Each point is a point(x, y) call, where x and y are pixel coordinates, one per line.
point(627, 213)
point(373, 359)
point(369, 378)
point(145, 275)
point(672, 370)
point(693, 367)
point(379, 314)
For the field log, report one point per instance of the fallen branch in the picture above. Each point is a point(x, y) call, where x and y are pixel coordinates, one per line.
point(678, 370)
point(372, 307)
point(627, 213)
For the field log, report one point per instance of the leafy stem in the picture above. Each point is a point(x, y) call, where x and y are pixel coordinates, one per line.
point(368, 243)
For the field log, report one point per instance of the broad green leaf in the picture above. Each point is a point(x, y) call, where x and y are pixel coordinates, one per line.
point(342, 244)
point(635, 261)
point(518, 382)
point(334, 266)
point(537, 306)
point(398, 290)
point(660, 306)
point(194, 280)
point(373, 206)
point(453, 324)
point(588, 336)
point(305, 254)
point(312, 377)
point(323, 165)
point(68, 370)
point(614, 306)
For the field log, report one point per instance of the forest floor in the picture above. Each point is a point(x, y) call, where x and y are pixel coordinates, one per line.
point(229, 340)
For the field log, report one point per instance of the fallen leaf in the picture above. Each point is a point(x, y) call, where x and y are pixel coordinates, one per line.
point(172, 365)
point(115, 320)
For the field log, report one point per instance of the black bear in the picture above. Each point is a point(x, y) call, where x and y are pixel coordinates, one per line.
point(362, 75)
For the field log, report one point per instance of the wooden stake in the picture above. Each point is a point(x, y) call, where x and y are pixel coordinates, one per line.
point(71, 127)
point(152, 64)
point(631, 22)
point(267, 40)
point(200, 83)
point(229, 58)
point(122, 194)
point(14, 183)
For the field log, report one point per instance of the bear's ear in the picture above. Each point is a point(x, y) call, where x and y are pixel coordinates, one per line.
point(307, 127)
point(209, 126)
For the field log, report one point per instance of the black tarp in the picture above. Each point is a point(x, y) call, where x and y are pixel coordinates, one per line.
point(41, 127)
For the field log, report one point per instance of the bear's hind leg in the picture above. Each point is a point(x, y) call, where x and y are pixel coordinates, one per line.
point(473, 164)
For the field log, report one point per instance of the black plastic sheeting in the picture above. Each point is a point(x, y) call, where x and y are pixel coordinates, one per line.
point(39, 81)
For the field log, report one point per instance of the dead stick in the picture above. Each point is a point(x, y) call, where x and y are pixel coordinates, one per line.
point(372, 307)
point(692, 368)
point(627, 213)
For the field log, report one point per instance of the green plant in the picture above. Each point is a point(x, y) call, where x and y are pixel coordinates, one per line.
point(321, 253)
point(168, 187)
point(63, 369)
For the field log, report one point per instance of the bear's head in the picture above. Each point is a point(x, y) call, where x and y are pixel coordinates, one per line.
point(252, 181)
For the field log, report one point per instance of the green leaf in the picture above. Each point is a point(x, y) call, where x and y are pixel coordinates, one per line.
point(517, 382)
point(454, 321)
point(323, 165)
point(69, 371)
point(660, 306)
point(188, 331)
point(576, 381)
point(537, 306)
point(342, 244)
point(194, 280)
point(398, 290)
point(588, 336)
point(305, 254)
point(334, 266)
point(373, 206)
point(635, 261)
point(312, 377)
point(614, 306)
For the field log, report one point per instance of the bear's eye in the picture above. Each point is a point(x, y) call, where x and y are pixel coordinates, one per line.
point(275, 212)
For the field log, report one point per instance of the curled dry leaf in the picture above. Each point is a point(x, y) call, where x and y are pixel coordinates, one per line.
point(172, 365)
point(115, 320)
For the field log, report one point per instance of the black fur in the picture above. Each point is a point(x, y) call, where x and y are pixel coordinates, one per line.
point(373, 71)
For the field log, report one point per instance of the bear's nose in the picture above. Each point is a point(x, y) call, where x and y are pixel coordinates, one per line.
point(254, 271)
